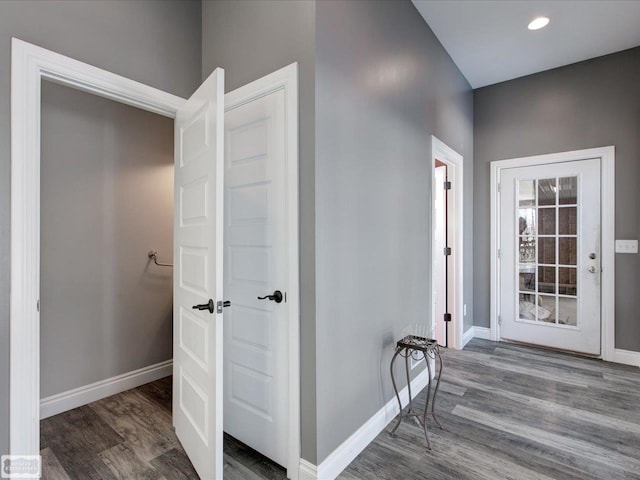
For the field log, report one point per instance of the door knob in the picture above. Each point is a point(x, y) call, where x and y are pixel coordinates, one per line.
point(592, 269)
point(276, 297)
point(206, 306)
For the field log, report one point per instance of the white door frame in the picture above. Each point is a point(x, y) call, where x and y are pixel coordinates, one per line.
point(454, 162)
point(286, 79)
point(607, 313)
point(30, 65)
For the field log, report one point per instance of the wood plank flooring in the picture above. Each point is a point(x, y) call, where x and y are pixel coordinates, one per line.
point(129, 436)
point(508, 411)
point(516, 412)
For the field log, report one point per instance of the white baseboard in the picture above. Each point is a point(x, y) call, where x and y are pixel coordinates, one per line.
point(308, 471)
point(342, 456)
point(77, 397)
point(482, 332)
point(476, 332)
point(627, 357)
point(467, 336)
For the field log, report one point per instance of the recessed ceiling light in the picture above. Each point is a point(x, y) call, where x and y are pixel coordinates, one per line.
point(538, 23)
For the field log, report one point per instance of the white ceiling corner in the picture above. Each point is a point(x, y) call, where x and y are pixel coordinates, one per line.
point(490, 43)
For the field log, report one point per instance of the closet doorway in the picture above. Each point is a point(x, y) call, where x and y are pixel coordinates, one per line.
point(200, 213)
point(446, 245)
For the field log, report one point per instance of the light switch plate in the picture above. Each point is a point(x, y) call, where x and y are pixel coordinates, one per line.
point(626, 246)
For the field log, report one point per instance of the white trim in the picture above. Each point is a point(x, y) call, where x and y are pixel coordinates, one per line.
point(348, 450)
point(286, 79)
point(468, 336)
point(77, 397)
point(454, 160)
point(482, 332)
point(627, 357)
point(607, 315)
point(29, 66)
point(308, 471)
point(476, 332)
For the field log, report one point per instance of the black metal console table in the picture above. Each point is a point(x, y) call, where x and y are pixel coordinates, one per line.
point(418, 348)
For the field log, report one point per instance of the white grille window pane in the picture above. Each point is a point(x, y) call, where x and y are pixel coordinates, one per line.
point(567, 251)
point(547, 279)
point(527, 193)
point(567, 281)
point(527, 306)
point(547, 191)
point(547, 309)
point(568, 190)
point(527, 249)
point(568, 311)
point(547, 224)
point(547, 251)
point(568, 221)
point(527, 221)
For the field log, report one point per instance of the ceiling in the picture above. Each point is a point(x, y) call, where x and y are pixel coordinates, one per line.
point(490, 43)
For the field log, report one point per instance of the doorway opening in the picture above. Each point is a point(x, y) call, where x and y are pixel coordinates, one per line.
point(442, 286)
point(31, 65)
point(446, 245)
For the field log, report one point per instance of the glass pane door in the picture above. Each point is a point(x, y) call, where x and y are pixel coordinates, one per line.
point(547, 239)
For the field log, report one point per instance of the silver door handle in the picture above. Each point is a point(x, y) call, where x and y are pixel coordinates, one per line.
point(592, 269)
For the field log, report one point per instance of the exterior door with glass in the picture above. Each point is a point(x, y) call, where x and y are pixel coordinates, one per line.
point(549, 243)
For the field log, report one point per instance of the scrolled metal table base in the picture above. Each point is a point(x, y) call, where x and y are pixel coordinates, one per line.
point(417, 348)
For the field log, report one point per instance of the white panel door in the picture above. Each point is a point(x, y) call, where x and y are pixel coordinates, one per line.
point(440, 274)
point(198, 274)
point(256, 342)
point(550, 255)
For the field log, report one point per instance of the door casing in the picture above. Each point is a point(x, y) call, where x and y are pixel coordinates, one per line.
point(454, 161)
point(30, 65)
point(607, 179)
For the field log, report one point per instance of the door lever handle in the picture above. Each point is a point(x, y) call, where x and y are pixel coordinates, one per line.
point(275, 297)
point(206, 306)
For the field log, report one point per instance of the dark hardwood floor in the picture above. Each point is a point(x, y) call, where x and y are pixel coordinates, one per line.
point(508, 411)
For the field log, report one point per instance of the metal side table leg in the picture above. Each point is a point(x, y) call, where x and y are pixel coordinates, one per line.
point(395, 389)
point(426, 407)
point(436, 353)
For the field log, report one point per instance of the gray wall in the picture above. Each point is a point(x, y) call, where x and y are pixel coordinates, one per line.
point(107, 199)
point(588, 104)
point(384, 85)
point(250, 39)
point(157, 43)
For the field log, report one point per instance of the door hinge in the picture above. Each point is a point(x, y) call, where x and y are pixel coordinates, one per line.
point(38, 305)
point(499, 187)
point(447, 250)
point(499, 319)
point(499, 253)
point(447, 317)
point(447, 185)
point(220, 305)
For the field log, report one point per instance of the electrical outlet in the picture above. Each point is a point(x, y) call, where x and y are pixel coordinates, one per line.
point(626, 246)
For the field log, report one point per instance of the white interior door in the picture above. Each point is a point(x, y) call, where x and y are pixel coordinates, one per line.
point(440, 276)
point(256, 253)
point(198, 274)
point(550, 255)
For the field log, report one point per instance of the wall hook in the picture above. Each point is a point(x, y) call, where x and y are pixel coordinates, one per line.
point(153, 255)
